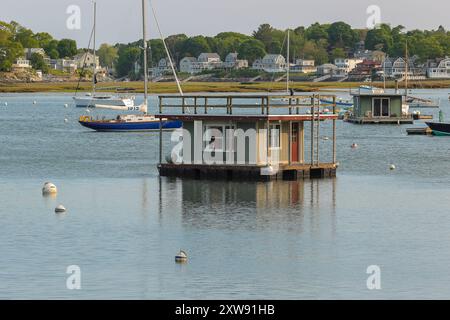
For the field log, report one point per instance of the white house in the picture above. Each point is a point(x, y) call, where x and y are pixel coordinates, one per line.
point(327, 69)
point(271, 63)
point(439, 69)
point(232, 62)
point(65, 65)
point(396, 67)
point(22, 63)
point(205, 61)
point(190, 65)
point(28, 52)
point(86, 59)
point(304, 66)
point(345, 65)
point(163, 67)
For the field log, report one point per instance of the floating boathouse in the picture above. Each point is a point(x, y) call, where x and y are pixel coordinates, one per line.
point(249, 137)
point(379, 107)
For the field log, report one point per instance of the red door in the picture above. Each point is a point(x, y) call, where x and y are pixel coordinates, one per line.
point(294, 142)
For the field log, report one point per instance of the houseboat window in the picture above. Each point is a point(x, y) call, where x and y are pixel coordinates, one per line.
point(274, 136)
point(381, 107)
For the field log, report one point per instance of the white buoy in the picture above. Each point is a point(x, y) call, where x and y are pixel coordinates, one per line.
point(34, 102)
point(88, 111)
point(354, 146)
point(392, 167)
point(60, 209)
point(66, 120)
point(49, 188)
point(325, 138)
point(6, 104)
point(181, 257)
point(66, 105)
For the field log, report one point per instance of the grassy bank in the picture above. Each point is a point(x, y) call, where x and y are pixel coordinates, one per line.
point(169, 87)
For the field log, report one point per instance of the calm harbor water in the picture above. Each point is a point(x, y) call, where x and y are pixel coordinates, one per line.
point(290, 240)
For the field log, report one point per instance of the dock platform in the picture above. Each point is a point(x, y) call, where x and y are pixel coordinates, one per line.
point(247, 173)
point(368, 120)
point(419, 131)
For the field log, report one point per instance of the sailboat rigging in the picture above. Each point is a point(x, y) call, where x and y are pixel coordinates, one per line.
point(90, 100)
point(133, 122)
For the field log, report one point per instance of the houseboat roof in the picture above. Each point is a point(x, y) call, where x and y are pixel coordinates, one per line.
point(246, 117)
point(383, 94)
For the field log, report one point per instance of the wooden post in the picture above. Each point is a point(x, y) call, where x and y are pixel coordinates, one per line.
point(195, 105)
point(312, 129)
point(160, 140)
point(268, 141)
point(206, 105)
point(290, 142)
point(183, 102)
point(298, 108)
point(267, 106)
point(290, 105)
point(160, 105)
point(334, 130)
point(318, 130)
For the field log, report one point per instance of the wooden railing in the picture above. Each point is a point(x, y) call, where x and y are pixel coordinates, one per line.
point(266, 104)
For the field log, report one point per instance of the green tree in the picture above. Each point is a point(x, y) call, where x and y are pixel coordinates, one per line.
point(337, 53)
point(107, 55)
point(67, 48)
point(195, 46)
point(251, 50)
point(128, 56)
point(38, 63)
point(51, 49)
point(380, 38)
point(342, 35)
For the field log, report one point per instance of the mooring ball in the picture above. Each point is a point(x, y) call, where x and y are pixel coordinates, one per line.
point(392, 167)
point(354, 146)
point(60, 209)
point(49, 188)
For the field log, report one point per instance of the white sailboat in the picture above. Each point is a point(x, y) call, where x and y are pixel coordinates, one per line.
point(91, 99)
point(135, 122)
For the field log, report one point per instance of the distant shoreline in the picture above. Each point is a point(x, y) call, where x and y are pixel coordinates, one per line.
point(194, 87)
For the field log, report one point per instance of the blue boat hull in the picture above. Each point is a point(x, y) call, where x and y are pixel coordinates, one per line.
point(130, 126)
point(338, 103)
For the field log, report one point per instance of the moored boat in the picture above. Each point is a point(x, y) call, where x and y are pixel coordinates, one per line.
point(129, 123)
point(439, 128)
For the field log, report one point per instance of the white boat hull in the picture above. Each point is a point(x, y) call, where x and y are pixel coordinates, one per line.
point(85, 102)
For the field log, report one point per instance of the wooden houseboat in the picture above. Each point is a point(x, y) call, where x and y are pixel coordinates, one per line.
point(249, 137)
point(380, 107)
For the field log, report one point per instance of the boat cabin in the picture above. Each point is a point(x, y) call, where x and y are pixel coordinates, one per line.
point(380, 107)
point(248, 137)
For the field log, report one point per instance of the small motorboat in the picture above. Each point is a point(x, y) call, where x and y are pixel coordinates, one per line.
point(439, 128)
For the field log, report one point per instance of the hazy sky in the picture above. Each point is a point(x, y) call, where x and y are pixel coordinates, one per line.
point(120, 20)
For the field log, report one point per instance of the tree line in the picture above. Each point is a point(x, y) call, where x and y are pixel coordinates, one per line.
point(321, 42)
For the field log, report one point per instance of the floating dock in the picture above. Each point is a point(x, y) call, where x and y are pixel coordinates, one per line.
point(223, 137)
point(419, 131)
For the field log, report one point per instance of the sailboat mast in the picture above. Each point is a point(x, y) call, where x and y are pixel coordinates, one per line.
point(406, 68)
point(144, 34)
point(288, 61)
point(93, 49)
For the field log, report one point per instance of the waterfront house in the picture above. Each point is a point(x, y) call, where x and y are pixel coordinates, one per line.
point(378, 106)
point(271, 63)
point(439, 68)
point(304, 66)
point(376, 55)
point(64, 65)
point(28, 52)
point(162, 68)
point(22, 63)
point(86, 60)
point(364, 70)
point(232, 61)
point(248, 137)
point(345, 65)
point(190, 65)
point(395, 68)
point(326, 69)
